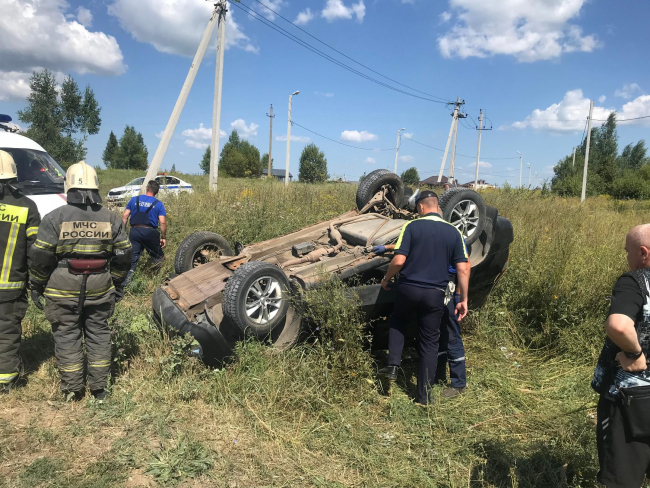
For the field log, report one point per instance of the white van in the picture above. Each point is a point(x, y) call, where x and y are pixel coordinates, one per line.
point(39, 177)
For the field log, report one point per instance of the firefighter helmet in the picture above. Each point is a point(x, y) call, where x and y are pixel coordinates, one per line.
point(7, 166)
point(81, 176)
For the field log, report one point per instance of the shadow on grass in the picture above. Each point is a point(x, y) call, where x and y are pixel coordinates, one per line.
point(35, 350)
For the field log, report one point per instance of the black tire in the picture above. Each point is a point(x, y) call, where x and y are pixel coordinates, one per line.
point(188, 255)
point(239, 293)
point(463, 197)
point(372, 183)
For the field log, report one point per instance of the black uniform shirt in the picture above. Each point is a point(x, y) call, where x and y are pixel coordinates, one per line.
point(627, 298)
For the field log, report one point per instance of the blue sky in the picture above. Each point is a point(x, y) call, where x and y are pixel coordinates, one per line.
point(530, 65)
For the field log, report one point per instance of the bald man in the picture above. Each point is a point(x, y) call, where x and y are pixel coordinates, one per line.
point(622, 377)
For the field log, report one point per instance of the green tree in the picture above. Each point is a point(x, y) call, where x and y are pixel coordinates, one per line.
point(109, 154)
point(132, 153)
point(56, 118)
point(313, 165)
point(633, 156)
point(205, 161)
point(249, 165)
point(264, 161)
point(173, 168)
point(411, 177)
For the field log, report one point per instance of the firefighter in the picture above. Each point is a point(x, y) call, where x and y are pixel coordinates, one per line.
point(79, 263)
point(19, 222)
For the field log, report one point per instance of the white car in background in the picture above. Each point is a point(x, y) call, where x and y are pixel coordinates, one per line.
point(168, 185)
point(40, 178)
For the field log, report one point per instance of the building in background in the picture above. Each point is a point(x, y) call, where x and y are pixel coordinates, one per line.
point(278, 174)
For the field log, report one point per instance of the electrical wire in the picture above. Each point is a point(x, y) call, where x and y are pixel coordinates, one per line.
point(254, 14)
point(457, 154)
point(348, 57)
point(338, 142)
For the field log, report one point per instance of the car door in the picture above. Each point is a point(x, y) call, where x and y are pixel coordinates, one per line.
point(162, 181)
point(173, 184)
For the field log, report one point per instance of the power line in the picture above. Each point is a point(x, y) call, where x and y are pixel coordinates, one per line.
point(463, 155)
point(346, 56)
point(338, 142)
point(320, 53)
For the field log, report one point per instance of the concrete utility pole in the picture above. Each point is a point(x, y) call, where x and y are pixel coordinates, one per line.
point(521, 166)
point(454, 119)
point(452, 164)
point(478, 150)
point(286, 174)
point(584, 174)
point(271, 116)
point(222, 8)
point(180, 102)
point(399, 140)
point(530, 169)
point(574, 157)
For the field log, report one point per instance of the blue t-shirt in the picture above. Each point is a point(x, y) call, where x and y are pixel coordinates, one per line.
point(431, 245)
point(146, 202)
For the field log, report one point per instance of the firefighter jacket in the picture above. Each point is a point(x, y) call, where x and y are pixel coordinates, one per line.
point(79, 231)
point(19, 222)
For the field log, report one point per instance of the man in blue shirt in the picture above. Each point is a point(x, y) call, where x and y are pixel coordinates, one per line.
point(425, 250)
point(147, 215)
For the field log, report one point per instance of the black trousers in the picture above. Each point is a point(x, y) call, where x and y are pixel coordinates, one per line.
point(427, 304)
point(145, 239)
point(12, 312)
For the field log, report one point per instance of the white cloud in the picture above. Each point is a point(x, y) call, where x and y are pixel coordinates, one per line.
point(160, 134)
point(530, 31)
point(370, 160)
point(628, 91)
point(293, 138)
point(273, 5)
point(639, 107)
point(410, 2)
point(325, 94)
point(245, 131)
point(196, 144)
point(175, 26)
point(336, 9)
point(14, 85)
point(445, 17)
point(481, 164)
point(570, 114)
point(407, 135)
point(356, 136)
point(602, 98)
point(196, 137)
point(406, 159)
point(304, 17)
point(37, 34)
point(84, 16)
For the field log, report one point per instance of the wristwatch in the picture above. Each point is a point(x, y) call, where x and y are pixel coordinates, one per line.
point(633, 355)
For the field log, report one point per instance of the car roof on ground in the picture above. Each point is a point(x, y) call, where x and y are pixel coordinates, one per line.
point(16, 141)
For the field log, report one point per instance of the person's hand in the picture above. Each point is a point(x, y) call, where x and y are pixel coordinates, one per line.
point(37, 294)
point(461, 310)
point(119, 293)
point(385, 284)
point(632, 365)
point(379, 249)
point(163, 243)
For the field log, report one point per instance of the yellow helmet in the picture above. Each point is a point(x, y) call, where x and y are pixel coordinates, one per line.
point(81, 176)
point(7, 166)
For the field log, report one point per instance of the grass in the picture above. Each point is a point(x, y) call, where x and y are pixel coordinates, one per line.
point(316, 415)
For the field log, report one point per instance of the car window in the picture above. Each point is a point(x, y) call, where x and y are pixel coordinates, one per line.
point(173, 181)
point(36, 168)
point(137, 181)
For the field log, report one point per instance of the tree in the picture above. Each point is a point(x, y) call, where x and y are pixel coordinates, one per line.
point(411, 177)
point(248, 165)
point(55, 118)
point(132, 153)
point(205, 161)
point(264, 161)
point(313, 165)
point(173, 168)
point(109, 154)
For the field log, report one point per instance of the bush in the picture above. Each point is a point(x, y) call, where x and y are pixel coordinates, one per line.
point(313, 165)
point(411, 177)
point(630, 186)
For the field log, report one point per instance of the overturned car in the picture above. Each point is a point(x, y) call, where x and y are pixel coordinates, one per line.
point(221, 297)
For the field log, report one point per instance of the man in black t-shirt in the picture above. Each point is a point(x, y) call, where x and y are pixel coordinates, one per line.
point(621, 376)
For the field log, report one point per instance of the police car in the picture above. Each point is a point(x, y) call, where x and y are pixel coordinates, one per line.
point(40, 178)
point(168, 185)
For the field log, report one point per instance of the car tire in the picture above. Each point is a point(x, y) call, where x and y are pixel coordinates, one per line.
point(261, 283)
point(189, 253)
point(372, 183)
point(465, 209)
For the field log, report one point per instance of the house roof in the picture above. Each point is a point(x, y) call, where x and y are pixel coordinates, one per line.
point(276, 172)
point(433, 180)
point(480, 182)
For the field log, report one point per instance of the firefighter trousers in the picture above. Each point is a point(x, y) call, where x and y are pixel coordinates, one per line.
point(12, 313)
point(71, 330)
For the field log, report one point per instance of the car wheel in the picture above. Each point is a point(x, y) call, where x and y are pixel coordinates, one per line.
point(200, 248)
point(257, 299)
point(374, 182)
point(465, 210)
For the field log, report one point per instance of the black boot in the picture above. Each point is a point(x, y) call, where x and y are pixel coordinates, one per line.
point(99, 395)
point(74, 396)
point(389, 372)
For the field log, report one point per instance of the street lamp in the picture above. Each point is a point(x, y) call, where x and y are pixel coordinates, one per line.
point(399, 140)
point(521, 166)
point(286, 174)
point(530, 168)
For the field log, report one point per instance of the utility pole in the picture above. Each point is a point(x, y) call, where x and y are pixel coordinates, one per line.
point(286, 174)
point(222, 8)
point(478, 150)
point(530, 168)
point(521, 166)
point(270, 116)
point(182, 98)
point(584, 175)
point(574, 157)
point(452, 164)
point(399, 140)
point(454, 119)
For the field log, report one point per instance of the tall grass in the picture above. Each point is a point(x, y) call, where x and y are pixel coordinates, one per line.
point(315, 415)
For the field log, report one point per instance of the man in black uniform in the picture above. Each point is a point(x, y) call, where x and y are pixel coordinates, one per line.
point(622, 377)
point(79, 262)
point(423, 253)
point(19, 222)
